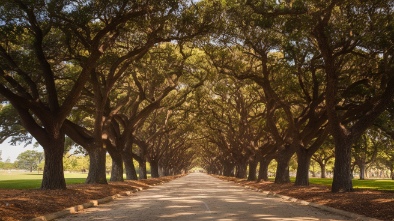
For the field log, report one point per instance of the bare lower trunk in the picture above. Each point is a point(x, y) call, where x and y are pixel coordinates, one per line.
point(154, 167)
point(322, 170)
point(252, 171)
point(228, 169)
point(142, 172)
point(97, 171)
point(117, 168)
point(131, 173)
point(342, 181)
point(304, 161)
point(362, 170)
point(282, 170)
point(164, 172)
point(263, 169)
point(53, 177)
point(392, 174)
point(241, 170)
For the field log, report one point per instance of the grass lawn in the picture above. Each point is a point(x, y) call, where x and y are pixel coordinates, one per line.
point(376, 184)
point(26, 180)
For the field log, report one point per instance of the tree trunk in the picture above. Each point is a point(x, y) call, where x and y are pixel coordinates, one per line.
point(228, 169)
point(154, 169)
point(282, 173)
point(252, 170)
point(117, 167)
point(131, 173)
point(361, 166)
point(53, 176)
point(322, 170)
point(342, 181)
point(142, 172)
point(304, 161)
point(392, 174)
point(263, 170)
point(97, 171)
point(241, 170)
point(282, 170)
point(163, 171)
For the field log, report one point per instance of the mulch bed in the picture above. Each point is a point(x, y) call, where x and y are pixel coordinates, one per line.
point(31, 203)
point(370, 203)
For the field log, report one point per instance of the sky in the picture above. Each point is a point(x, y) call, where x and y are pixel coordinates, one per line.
point(12, 152)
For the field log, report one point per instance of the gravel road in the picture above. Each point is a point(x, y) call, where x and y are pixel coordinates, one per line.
point(199, 196)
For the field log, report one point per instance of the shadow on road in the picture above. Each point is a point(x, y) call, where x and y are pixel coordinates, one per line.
point(202, 197)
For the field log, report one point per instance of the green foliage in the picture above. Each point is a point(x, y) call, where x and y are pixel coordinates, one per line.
point(11, 127)
point(7, 166)
point(224, 65)
point(29, 160)
point(75, 162)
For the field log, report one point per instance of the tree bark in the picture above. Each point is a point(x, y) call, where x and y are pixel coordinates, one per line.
point(131, 173)
point(228, 169)
point(241, 170)
point(342, 181)
point(361, 166)
point(282, 170)
point(263, 169)
point(53, 177)
point(392, 174)
point(97, 171)
point(252, 170)
point(304, 161)
point(154, 169)
point(142, 172)
point(117, 167)
point(322, 170)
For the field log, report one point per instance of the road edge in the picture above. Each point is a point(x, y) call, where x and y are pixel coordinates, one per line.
point(91, 203)
point(351, 215)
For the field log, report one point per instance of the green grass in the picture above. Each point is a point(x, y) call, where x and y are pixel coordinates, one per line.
point(374, 184)
point(20, 180)
point(17, 180)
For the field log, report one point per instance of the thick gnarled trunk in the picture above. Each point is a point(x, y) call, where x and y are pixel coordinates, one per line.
point(228, 169)
point(117, 167)
point(154, 169)
point(97, 171)
point(142, 171)
point(252, 176)
point(303, 161)
point(241, 169)
point(342, 181)
point(282, 170)
point(131, 173)
point(53, 177)
point(263, 169)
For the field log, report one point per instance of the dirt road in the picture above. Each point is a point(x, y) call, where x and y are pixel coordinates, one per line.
point(199, 196)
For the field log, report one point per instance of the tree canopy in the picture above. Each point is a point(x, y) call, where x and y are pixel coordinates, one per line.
point(226, 85)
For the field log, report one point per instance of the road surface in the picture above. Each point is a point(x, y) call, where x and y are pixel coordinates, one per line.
point(199, 196)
